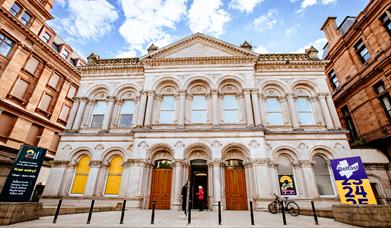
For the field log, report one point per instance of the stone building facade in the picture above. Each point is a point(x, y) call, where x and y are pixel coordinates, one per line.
point(359, 74)
point(203, 110)
point(38, 79)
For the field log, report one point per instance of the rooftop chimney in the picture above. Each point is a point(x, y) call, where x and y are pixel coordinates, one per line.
point(331, 31)
point(92, 58)
point(152, 48)
point(312, 53)
point(246, 45)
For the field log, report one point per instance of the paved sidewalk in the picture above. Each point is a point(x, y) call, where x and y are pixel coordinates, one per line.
point(167, 218)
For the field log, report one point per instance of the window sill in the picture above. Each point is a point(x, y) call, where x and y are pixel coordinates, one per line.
point(44, 113)
point(21, 101)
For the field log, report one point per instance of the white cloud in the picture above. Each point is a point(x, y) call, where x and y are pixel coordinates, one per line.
point(207, 16)
point(307, 3)
point(292, 29)
point(266, 21)
point(147, 22)
point(328, 2)
point(261, 49)
point(245, 5)
point(88, 19)
point(318, 44)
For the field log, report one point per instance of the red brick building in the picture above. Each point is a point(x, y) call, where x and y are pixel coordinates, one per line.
point(38, 80)
point(360, 74)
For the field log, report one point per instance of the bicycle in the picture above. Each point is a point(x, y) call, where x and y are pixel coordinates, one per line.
point(291, 207)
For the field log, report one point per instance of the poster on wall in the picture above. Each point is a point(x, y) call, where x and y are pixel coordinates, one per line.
point(352, 181)
point(23, 174)
point(287, 185)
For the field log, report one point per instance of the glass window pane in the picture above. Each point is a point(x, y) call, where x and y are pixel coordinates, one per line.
point(5, 46)
point(99, 108)
point(46, 37)
point(15, 9)
point(97, 120)
point(53, 82)
point(25, 19)
point(284, 166)
point(306, 118)
point(71, 92)
point(275, 118)
point(168, 103)
point(322, 176)
point(64, 113)
point(198, 103)
point(167, 117)
point(198, 116)
point(231, 116)
point(32, 65)
point(45, 102)
point(273, 105)
point(302, 104)
point(20, 88)
point(386, 102)
point(128, 107)
point(125, 120)
point(230, 102)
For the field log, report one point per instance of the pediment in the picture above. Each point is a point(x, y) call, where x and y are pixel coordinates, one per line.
point(199, 45)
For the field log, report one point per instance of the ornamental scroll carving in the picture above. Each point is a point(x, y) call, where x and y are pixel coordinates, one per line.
point(198, 155)
point(96, 164)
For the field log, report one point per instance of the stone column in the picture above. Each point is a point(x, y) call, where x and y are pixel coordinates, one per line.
point(285, 111)
point(262, 109)
point(257, 114)
point(182, 106)
point(249, 109)
point(309, 179)
point(325, 111)
point(73, 113)
point(108, 115)
point(292, 111)
point(141, 108)
point(216, 182)
point(178, 172)
point(215, 107)
point(333, 111)
point(80, 112)
point(148, 112)
point(274, 176)
point(92, 178)
point(136, 111)
point(125, 178)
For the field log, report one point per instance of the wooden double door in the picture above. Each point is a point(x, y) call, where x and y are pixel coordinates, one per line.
point(235, 189)
point(161, 188)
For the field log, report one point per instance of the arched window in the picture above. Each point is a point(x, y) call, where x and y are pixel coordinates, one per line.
point(199, 109)
point(98, 114)
point(322, 176)
point(167, 110)
point(274, 114)
point(304, 111)
point(81, 175)
point(230, 109)
point(126, 114)
point(285, 176)
point(114, 176)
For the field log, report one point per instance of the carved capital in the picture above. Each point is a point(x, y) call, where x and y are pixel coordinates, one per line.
point(110, 99)
point(306, 163)
point(135, 162)
point(96, 164)
point(214, 92)
point(59, 164)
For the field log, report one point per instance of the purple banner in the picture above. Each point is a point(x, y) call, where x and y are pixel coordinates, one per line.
point(348, 168)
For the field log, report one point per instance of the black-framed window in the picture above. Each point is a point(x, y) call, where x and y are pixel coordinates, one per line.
point(6, 45)
point(15, 9)
point(46, 37)
point(362, 51)
point(385, 19)
point(346, 115)
point(384, 98)
point(26, 18)
point(333, 79)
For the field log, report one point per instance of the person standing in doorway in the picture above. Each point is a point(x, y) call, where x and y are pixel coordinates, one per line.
point(184, 197)
point(201, 197)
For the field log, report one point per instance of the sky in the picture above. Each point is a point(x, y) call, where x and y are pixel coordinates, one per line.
point(126, 28)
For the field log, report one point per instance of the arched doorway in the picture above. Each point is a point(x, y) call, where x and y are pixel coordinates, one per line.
point(161, 180)
point(235, 180)
point(199, 177)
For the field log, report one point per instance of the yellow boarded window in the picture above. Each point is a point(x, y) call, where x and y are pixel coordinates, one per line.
point(114, 176)
point(81, 176)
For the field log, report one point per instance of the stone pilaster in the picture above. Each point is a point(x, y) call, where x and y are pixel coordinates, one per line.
point(80, 113)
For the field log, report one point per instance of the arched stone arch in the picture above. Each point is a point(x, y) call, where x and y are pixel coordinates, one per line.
point(230, 79)
point(235, 151)
point(288, 151)
point(98, 91)
point(197, 80)
point(304, 88)
point(109, 153)
point(278, 86)
point(75, 155)
point(166, 82)
point(126, 91)
point(160, 151)
point(323, 151)
point(230, 85)
point(197, 151)
point(198, 86)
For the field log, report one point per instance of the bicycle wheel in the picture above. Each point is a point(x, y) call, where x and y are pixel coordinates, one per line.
point(293, 208)
point(273, 207)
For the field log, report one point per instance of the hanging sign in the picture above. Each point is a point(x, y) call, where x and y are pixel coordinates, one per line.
point(352, 181)
point(23, 175)
point(287, 185)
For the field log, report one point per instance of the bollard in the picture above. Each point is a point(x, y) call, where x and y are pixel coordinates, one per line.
point(219, 206)
point(252, 213)
point(314, 213)
point(90, 213)
point(153, 213)
point(283, 212)
point(189, 214)
point(57, 211)
point(123, 212)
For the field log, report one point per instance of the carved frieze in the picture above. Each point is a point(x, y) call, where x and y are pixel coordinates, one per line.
point(60, 164)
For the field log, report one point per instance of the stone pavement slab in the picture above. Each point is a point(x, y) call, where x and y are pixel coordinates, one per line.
point(168, 218)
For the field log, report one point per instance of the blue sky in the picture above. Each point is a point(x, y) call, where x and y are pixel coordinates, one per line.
point(125, 28)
